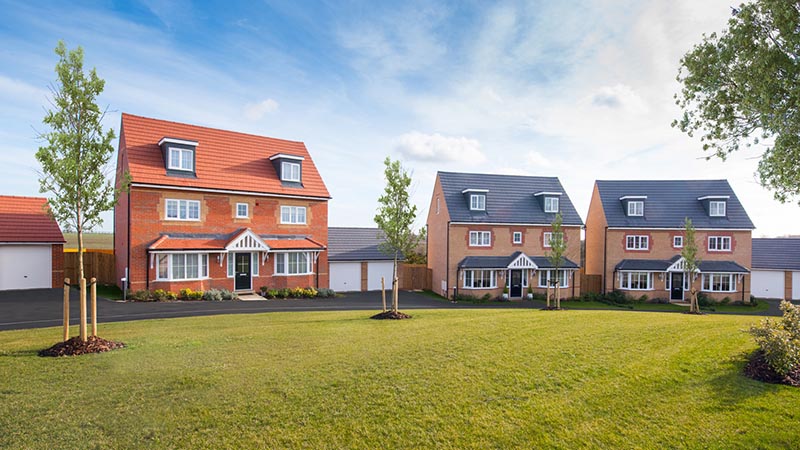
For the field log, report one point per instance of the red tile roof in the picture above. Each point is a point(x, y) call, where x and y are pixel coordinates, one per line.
point(294, 244)
point(168, 243)
point(224, 159)
point(26, 219)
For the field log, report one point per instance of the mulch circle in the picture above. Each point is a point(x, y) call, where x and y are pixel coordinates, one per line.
point(758, 369)
point(552, 308)
point(390, 315)
point(75, 346)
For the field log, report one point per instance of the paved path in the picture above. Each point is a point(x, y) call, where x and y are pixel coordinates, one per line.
point(40, 308)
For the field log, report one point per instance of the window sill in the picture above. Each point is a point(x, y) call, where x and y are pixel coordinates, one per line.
point(182, 279)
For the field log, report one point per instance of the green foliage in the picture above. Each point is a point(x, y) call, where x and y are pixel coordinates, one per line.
point(212, 295)
point(689, 254)
point(740, 88)
point(140, 295)
point(189, 294)
point(414, 257)
point(780, 340)
point(159, 295)
point(505, 289)
point(325, 293)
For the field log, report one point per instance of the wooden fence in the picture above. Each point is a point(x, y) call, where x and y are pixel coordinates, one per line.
point(591, 283)
point(414, 277)
point(95, 264)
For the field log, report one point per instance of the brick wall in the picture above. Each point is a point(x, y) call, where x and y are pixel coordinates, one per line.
point(57, 255)
point(595, 233)
point(437, 240)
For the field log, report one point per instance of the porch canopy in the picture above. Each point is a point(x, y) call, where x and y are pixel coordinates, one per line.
point(517, 260)
point(677, 264)
point(241, 240)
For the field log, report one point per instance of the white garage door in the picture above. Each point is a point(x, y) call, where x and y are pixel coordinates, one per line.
point(25, 267)
point(345, 276)
point(376, 270)
point(767, 283)
point(795, 285)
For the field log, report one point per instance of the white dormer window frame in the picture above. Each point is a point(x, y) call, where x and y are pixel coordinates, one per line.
point(477, 202)
point(290, 171)
point(242, 210)
point(677, 241)
point(516, 237)
point(551, 204)
point(636, 208)
point(180, 159)
point(717, 208)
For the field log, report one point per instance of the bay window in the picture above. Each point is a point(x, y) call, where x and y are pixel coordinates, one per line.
point(181, 266)
point(480, 279)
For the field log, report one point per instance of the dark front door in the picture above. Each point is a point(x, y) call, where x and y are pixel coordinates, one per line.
point(515, 287)
point(676, 292)
point(242, 266)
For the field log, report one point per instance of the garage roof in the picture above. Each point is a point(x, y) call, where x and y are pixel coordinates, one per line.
point(776, 253)
point(26, 219)
point(356, 244)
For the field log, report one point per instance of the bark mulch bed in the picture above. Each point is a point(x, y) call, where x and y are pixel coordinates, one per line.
point(75, 346)
point(758, 369)
point(552, 308)
point(390, 315)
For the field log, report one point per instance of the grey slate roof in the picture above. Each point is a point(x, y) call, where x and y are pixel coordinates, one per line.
point(660, 265)
point(356, 244)
point(509, 200)
point(669, 202)
point(501, 262)
point(776, 253)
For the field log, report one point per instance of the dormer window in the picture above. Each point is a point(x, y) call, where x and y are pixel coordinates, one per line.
point(289, 168)
point(633, 205)
point(716, 208)
point(551, 204)
point(179, 155)
point(636, 208)
point(477, 202)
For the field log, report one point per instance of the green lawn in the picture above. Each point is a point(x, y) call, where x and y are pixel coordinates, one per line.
point(444, 379)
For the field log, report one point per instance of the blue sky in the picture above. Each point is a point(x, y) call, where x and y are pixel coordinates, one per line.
point(581, 90)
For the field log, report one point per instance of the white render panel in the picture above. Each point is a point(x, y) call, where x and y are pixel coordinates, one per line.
point(376, 270)
point(795, 285)
point(767, 283)
point(25, 267)
point(345, 276)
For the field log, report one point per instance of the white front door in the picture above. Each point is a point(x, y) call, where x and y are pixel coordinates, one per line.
point(25, 267)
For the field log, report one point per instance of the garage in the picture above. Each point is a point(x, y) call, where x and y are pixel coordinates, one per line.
point(776, 268)
point(345, 276)
point(355, 260)
point(31, 245)
point(767, 283)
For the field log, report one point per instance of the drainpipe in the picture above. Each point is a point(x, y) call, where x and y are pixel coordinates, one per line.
point(605, 255)
point(573, 283)
point(146, 270)
point(743, 285)
point(447, 262)
point(127, 275)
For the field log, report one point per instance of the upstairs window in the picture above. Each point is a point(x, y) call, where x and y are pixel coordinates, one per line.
point(677, 241)
point(551, 204)
point(517, 237)
point(480, 238)
point(183, 209)
point(716, 209)
point(293, 214)
point(290, 171)
point(719, 243)
point(548, 237)
point(181, 159)
point(635, 208)
point(637, 242)
point(477, 202)
point(242, 210)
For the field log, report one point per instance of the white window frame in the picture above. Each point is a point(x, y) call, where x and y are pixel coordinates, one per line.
point(254, 264)
point(202, 266)
point(709, 278)
point(230, 258)
point(514, 236)
point(477, 202)
point(637, 242)
point(635, 208)
point(288, 171)
point(284, 259)
point(293, 215)
point(547, 238)
point(626, 280)
point(551, 204)
point(186, 209)
point(246, 211)
point(719, 243)
point(470, 278)
point(677, 241)
point(180, 152)
point(480, 238)
point(717, 208)
point(546, 274)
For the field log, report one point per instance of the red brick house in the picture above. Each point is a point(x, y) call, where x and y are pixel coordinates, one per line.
point(31, 245)
point(635, 234)
point(487, 232)
point(210, 208)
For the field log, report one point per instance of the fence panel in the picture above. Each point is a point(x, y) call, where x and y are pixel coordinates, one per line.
point(99, 265)
point(414, 277)
point(591, 283)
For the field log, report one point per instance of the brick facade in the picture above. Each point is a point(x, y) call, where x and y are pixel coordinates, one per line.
point(57, 255)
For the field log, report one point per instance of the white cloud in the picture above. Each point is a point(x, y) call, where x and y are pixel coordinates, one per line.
point(256, 111)
point(536, 159)
point(418, 146)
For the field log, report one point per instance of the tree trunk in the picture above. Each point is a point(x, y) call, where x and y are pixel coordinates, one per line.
point(81, 275)
point(548, 293)
point(394, 285)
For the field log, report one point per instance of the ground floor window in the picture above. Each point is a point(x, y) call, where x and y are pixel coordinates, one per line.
point(296, 263)
point(636, 281)
point(181, 266)
point(550, 274)
point(719, 282)
point(480, 279)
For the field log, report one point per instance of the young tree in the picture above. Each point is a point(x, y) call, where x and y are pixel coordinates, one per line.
point(691, 263)
point(396, 217)
point(558, 246)
point(75, 157)
point(741, 87)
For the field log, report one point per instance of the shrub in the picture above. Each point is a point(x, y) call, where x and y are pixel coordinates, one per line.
point(188, 294)
point(325, 293)
point(591, 297)
point(283, 293)
point(159, 295)
point(141, 295)
point(725, 301)
point(617, 297)
point(542, 297)
point(212, 295)
point(466, 298)
point(171, 295)
point(310, 292)
point(263, 289)
point(297, 292)
point(271, 293)
point(753, 300)
point(643, 298)
point(779, 341)
point(661, 301)
point(486, 297)
point(505, 290)
point(229, 295)
point(703, 299)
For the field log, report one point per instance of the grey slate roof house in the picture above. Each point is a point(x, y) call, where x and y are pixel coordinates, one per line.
point(356, 263)
point(488, 232)
point(776, 268)
point(635, 235)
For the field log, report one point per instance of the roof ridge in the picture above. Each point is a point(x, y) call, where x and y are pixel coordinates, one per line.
point(205, 127)
point(30, 197)
point(670, 179)
point(495, 174)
